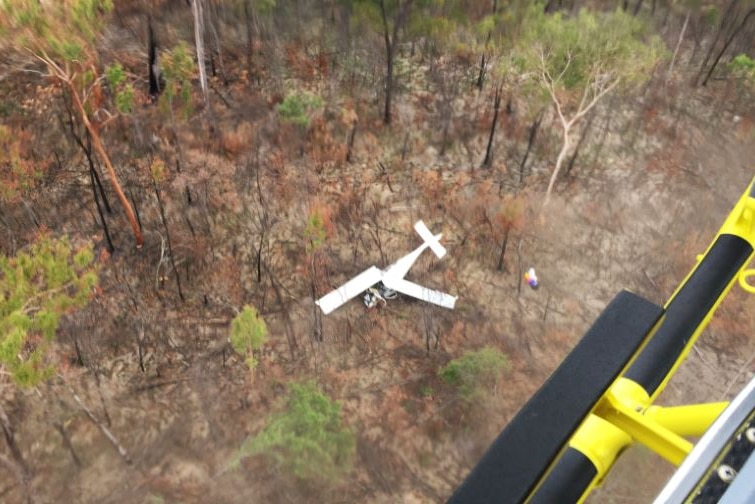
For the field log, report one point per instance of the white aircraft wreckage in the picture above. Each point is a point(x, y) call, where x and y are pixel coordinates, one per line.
point(379, 285)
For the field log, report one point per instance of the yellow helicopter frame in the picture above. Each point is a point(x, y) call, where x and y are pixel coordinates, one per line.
point(626, 414)
point(600, 400)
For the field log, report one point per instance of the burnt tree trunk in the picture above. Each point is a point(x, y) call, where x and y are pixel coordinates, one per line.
point(444, 135)
point(391, 42)
point(552, 5)
point(317, 333)
point(67, 442)
point(93, 168)
point(530, 143)
point(721, 27)
point(167, 237)
point(15, 451)
point(110, 246)
point(155, 85)
point(264, 224)
point(350, 146)
point(483, 65)
point(728, 42)
point(87, 149)
point(389, 47)
point(136, 208)
point(218, 46)
point(249, 39)
point(481, 73)
point(102, 153)
point(502, 255)
point(496, 109)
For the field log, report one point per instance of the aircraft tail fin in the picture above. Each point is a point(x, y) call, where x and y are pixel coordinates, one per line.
point(433, 241)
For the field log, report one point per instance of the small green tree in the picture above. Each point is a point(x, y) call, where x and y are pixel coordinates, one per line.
point(577, 60)
point(308, 438)
point(297, 107)
point(475, 371)
point(316, 230)
point(742, 68)
point(248, 334)
point(37, 287)
point(178, 68)
point(120, 87)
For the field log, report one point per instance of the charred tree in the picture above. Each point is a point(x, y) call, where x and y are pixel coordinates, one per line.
point(501, 265)
point(167, 237)
point(218, 50)
point(727, 43)
point(391, 38)
point(87, 149)
point(98, 191)
point(496, 109)
point(552, 5)
point(110, 246)
point(637, 7)
point(481, 73)
point(722, 26)
point(136, 208)
point(155, 83)
point(350, 145)
point(530, 143)
point(21, 468)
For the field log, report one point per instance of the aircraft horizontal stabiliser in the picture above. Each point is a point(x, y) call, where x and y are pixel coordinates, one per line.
point(600, 400)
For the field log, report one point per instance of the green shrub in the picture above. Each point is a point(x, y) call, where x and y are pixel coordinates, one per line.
point(296, 107)
point(308, 438)
point(37, 287)
point(122, 90)
point(248, 334)
point(178, 67)
point(475, 371)
point(315, 232)
point(743, 66)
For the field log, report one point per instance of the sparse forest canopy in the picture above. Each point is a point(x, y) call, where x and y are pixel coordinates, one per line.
point(576, 60)
point(590, 50)
point(261, 153)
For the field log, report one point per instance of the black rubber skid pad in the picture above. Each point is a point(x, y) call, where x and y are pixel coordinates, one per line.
point(519, 456)
point(687, 310)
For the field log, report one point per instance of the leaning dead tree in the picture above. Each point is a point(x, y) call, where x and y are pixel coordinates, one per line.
point(68, 79)
point(63, 35)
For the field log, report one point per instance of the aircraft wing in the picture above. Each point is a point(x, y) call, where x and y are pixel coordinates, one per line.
point(419, 292)
point(349, 290)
